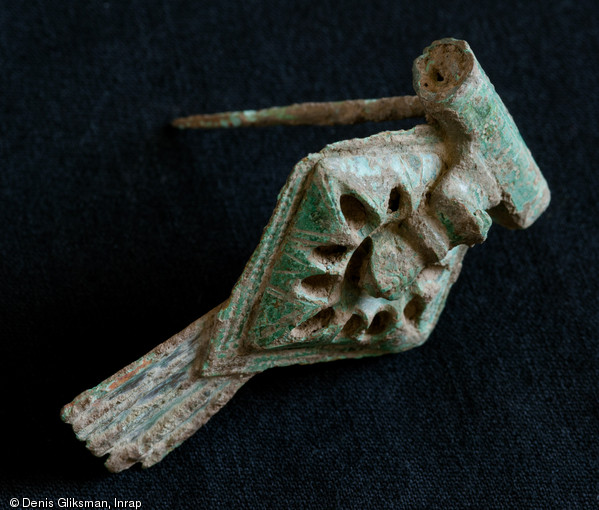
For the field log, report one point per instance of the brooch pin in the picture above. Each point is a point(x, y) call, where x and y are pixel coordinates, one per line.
point(358, 258)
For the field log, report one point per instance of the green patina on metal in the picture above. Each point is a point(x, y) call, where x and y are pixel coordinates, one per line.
point(357, 260)
point(451, 231)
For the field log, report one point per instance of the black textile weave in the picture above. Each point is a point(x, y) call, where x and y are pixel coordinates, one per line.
point(117, 232)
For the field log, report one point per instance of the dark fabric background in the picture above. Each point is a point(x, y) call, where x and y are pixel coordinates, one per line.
point(117, 232)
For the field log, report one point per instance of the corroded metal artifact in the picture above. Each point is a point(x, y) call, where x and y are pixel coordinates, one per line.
point(357, 260)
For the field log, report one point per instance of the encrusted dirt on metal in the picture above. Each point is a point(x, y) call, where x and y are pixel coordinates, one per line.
point(365, 242)
point(352, 111)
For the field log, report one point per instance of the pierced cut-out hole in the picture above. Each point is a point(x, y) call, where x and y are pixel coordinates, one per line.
point(357, 263)
point(439, 77)
point(319, 321)
point(329, 254)
point(354, 211)
point(352, 326)
point(414, 309)
point(394, 199)
point(380, 323)
point(320, 285)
